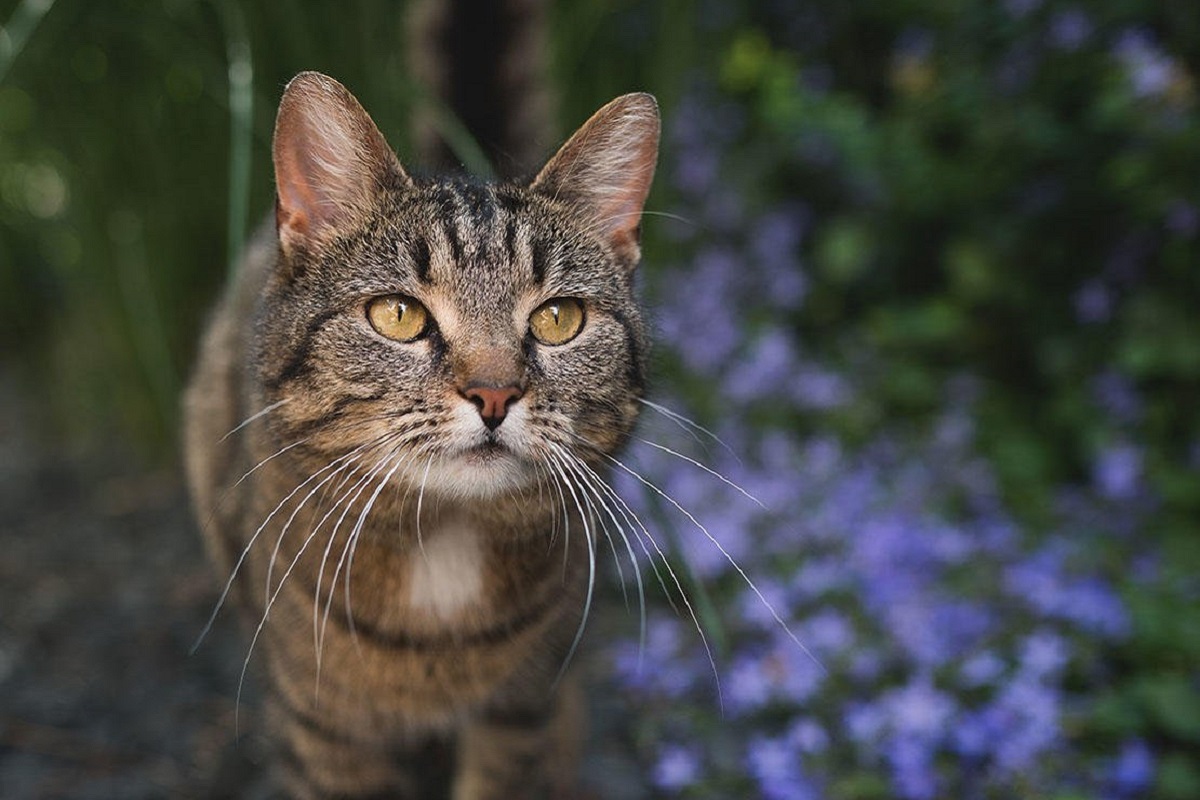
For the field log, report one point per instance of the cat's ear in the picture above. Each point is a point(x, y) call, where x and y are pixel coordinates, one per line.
point(605, 170)
point(329, 160)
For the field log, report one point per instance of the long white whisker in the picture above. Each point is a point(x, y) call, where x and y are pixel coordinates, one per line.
point(249, 544)
point(346, 470)
point(707, 469)
point(687, 424)
point(420, 501)
point(753, 587)
point(255, 416)
point(275, 596)
point(350, 541)
point(597, 485)
point(591, 498)
point(683, 596)
point(587, 604)
point(361, 486)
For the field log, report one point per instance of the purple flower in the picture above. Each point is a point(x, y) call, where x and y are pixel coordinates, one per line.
point(1070, 28)
point(776, 245)
point(913, 771)
point(747, 686)
point(678, 767)
point(762, 373)
point(1043, 655)
point(981, 669)
point(1093, 303)
point(918, 710)
point(865, 723)
point(1183, 219)
point(697, 169)
point(1116, 395)
point(1118, 471)
point(775, 766)
point(808, 736)
point(1149, 69)
point(1028, 715)
point(827, 633)
point(818, 577)
point(1133, 769)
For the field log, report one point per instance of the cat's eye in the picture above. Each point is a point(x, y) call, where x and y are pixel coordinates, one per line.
point(398, 317)
point(557, 321)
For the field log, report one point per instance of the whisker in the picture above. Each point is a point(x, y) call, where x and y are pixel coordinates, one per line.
point(351, 540)
point(746, 578)
point(687, 424)
point(587, 604)
point(359, 486)
point(275, 596)
point(346, 470)
point(249, 544)
point(420, 500)
point(255, 416)
point(591, 480)
point(591, 499)
point(707, 469)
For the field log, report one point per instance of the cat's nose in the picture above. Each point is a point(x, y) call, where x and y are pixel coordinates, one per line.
point(493, 402)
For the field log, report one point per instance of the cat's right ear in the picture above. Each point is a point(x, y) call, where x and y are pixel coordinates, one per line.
point(605, 170)
point(330, 159)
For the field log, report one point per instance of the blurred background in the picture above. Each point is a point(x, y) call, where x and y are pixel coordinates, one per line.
point(927, 269)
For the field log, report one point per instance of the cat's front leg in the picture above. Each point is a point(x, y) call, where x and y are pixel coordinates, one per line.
point(523, 750)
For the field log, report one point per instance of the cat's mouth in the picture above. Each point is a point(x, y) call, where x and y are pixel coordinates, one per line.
point(489, 448)
point(487, 451)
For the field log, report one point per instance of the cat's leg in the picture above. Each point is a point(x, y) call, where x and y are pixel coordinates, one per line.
point(523, 750)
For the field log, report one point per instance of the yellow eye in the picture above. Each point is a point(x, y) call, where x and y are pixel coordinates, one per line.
point(398, 317)
point(557, 321)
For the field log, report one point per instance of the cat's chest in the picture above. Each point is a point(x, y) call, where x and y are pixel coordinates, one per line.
point(445, 572)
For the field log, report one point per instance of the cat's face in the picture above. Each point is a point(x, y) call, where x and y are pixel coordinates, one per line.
point(467, 337)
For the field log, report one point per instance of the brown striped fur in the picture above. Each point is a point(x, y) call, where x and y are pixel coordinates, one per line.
point(424, 575)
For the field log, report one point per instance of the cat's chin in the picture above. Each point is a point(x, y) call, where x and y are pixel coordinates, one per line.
point(478, 473)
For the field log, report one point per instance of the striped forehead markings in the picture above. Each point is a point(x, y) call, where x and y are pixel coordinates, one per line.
point(474, 221)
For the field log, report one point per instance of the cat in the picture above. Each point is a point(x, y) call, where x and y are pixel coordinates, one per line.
point(399, 406)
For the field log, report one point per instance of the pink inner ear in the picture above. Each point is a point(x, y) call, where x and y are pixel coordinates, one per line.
point(293, 195)
point(316, 185)
point(606, 168)
point(329, 158)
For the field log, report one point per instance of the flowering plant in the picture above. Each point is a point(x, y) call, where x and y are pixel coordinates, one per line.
point(906, 582)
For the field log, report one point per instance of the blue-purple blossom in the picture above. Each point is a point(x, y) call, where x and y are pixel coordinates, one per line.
point(1093, 303)
point(678, 767)
point(1117, 397)
point(775, 765)
point(1133, 769)
point(1118, 471)
point(1183, 219)
point(1070, 28)
point(1149, 69)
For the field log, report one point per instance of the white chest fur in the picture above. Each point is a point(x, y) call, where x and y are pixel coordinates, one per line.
point(446, 574)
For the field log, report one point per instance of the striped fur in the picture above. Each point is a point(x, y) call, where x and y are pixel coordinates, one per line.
point(413, 580)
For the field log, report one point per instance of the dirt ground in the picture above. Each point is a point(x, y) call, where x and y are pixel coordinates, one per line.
point(103, 591)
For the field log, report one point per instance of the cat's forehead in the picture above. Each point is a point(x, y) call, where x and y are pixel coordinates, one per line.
point(491, 240)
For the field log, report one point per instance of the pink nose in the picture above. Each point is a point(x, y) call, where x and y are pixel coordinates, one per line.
point(492, 402)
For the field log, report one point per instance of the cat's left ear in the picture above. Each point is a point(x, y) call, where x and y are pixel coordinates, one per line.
point(605, 170)
point(330, 160)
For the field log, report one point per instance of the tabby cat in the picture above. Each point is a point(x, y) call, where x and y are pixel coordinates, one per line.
point(398, 408)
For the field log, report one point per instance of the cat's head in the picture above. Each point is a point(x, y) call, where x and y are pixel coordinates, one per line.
point(466, 336)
